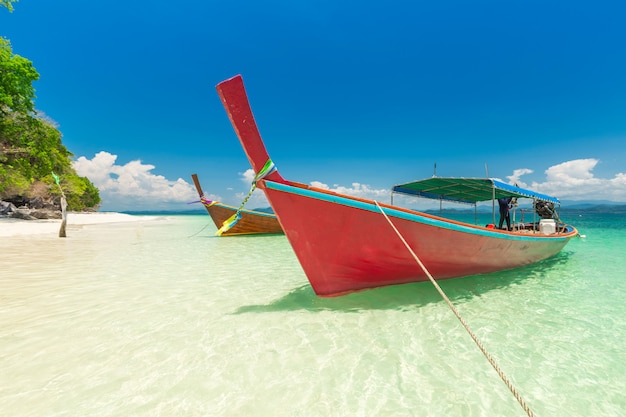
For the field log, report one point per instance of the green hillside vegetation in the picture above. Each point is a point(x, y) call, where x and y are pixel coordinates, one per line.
point(31, 149)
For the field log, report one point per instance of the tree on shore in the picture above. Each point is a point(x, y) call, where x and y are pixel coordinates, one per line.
point(30, 147)
point(17, 75)
point(8, 4)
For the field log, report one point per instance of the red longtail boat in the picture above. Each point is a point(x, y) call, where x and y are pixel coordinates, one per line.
point(249, 222)
point(346, 244)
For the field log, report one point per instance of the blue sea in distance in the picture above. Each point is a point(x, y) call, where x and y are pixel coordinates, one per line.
point(161, 318)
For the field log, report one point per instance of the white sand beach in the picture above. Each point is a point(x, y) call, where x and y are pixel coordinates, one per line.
point(17, 227)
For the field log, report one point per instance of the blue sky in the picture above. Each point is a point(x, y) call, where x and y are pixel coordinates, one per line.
point(350, 95)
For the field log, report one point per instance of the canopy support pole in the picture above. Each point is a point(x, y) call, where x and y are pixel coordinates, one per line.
point(493, 204)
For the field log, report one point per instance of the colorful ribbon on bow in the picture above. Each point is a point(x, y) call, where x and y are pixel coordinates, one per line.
point(206, 201)
point(267, 169)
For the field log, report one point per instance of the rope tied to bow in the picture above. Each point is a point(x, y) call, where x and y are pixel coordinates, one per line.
point(267, 169)
point(475, 338)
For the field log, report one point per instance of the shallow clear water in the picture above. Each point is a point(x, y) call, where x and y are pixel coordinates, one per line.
point(161, 318)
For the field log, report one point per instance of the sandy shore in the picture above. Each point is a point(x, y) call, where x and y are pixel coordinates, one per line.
point(15, 227)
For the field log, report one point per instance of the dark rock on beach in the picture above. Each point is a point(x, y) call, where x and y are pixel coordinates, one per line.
point(6, 208)
point(30, 209)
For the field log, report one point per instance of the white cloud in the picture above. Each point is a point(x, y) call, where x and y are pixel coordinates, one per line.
point(381, 195)
point(248, 176)
point(133, 186)
point(574, 180)
point(515, 177)
point(356, 190)
point(571, 180)
point(257, 199)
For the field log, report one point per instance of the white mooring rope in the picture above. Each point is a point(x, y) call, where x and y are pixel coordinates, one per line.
point(493, 363)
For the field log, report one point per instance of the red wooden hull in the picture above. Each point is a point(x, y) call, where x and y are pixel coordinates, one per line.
point(346, 244)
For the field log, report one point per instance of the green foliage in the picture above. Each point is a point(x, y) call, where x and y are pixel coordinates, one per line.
point(7, 4)
point(16, 81)
point(12, 182)
point(80, 193)
point(33, 145)
point(30, 150)
point(30, 147)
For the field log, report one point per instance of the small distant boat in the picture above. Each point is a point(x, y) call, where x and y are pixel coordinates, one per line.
point(251, 222)
point(346, 244)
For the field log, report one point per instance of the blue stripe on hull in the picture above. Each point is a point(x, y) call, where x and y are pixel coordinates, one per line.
point(413, 217)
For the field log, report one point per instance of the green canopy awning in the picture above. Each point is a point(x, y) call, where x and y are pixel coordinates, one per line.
point(467, 190)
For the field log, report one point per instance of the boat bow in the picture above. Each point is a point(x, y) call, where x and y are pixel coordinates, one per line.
point(235, 100)
point(346, 243)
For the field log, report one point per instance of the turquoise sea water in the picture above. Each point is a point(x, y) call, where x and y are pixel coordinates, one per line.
point(161, 318)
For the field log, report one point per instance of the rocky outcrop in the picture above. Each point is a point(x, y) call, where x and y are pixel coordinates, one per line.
point(6, 208)
point(29, 208)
